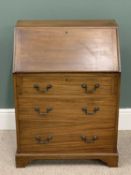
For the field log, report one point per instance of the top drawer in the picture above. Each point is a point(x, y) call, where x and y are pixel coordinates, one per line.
point(82, 84)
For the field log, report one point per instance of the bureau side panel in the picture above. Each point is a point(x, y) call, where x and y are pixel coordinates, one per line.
point(117, 110)
point(16, 110)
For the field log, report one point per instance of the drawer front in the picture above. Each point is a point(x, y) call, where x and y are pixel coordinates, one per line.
point(67, 84)
point(57, 138)
point(90, 110)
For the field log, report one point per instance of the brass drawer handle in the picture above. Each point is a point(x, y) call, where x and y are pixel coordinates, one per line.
point(43, 90)
point(37, 109)
point(41, 140)
point(87, 90)
point(88, 140)
point(85, 110)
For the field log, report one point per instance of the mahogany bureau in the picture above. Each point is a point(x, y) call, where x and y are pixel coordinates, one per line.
point(66, 83)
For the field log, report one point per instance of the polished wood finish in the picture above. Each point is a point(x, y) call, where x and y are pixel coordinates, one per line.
point(68, 109)
point(23, 159)
point(87, 49)
point(67, 23)
point(65, 138)
point(66, 83)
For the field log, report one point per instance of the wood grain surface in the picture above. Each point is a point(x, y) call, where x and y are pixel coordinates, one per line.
point(66, 23)
point(67, 84)
point(74, 49)
point(67, 87)
point(64, 138)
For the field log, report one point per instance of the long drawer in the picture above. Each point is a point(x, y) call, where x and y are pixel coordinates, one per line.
point(66, 84)
point(57, 138)
point(96, 111)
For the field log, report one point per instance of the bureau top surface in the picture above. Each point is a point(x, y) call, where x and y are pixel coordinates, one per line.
point(66, 46)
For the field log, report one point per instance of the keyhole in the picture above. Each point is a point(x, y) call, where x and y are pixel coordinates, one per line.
point(66, 79)
point(66, 32)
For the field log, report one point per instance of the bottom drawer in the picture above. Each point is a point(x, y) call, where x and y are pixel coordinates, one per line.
point(57, 138)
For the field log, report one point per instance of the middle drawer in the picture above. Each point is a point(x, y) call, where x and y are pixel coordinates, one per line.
point(97, 111)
